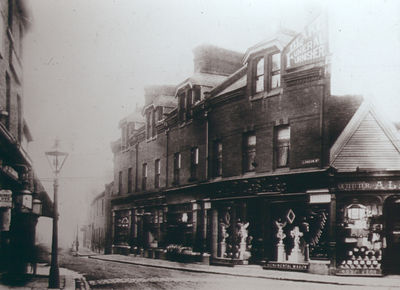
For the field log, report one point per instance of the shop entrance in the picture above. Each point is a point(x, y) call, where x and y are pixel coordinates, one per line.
point(392, 231)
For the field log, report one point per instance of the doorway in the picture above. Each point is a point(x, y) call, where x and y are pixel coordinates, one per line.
point(392, 231)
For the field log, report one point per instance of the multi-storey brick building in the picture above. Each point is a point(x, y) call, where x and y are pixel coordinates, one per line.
point(97, 233)
point(251, 164)
point(20, 191)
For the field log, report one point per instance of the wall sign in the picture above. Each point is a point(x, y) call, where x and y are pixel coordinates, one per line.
point(5, 198)
point(310, 46)
point(369, 185)
point(314, 161)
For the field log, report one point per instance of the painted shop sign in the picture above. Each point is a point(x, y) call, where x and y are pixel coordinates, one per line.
point(286, 266)
point(369, 185)
point(359, 272)
point(5, 198)
point(310, 46)
point(310, 161)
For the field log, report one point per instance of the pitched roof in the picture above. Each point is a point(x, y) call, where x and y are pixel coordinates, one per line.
point(203, 79)
point(368, 141)
point(280, 40)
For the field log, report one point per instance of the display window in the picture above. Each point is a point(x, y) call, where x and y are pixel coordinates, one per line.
point(121, 227)
point(360, 236)
point(291, 233)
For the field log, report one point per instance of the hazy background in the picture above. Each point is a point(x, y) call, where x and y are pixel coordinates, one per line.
point(86, 63)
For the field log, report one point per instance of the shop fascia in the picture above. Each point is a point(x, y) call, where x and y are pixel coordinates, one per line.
point(369, 185)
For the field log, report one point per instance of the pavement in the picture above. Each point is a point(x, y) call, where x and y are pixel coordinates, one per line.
point(69, 280)
point(252, 271)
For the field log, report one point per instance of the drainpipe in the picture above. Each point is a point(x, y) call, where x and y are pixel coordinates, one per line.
point(137, 166)
point(207, 157)
point(166, 160)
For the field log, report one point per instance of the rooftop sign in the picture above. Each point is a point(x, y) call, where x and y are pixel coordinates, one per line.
point(310, 46)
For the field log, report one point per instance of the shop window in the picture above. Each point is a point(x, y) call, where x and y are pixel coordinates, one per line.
point(259, 75)
point(144, 176)
point(217, 159)
point(282, 146)
point(121, 228)
point(194, 162)
point(249, 152)
point(157, 172)
point(177, 167)
point(275, 71)
point(360, 237)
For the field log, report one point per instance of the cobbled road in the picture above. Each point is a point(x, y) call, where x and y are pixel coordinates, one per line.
point(113, 275)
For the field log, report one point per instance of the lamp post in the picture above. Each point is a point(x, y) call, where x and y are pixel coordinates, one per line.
point(56, 159)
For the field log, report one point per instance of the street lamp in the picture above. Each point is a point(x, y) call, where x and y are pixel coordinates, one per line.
point(56, 159)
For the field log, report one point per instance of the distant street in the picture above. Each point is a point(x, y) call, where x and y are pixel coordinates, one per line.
point(114, 275)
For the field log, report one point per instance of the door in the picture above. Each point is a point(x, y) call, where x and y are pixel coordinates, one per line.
point(392, 219)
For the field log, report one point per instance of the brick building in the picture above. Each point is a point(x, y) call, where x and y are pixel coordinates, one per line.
point(245, 162)
point(97, 232)
point(20, 190)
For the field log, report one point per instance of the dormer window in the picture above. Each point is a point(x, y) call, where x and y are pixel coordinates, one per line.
point(275, 71)
point(266, 72)
point(188, 104)
point(259, 76)
point(160, 112)
point(153, 124)
point(182, 106)
point(196, 94)
point(148, 124)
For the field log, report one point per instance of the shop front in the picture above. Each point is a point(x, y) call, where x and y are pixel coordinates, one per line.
point(234, 224)
point(368, 225)
point(121, 230)
point(298, 233)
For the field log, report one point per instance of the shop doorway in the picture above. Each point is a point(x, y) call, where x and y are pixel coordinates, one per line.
point(392, 231)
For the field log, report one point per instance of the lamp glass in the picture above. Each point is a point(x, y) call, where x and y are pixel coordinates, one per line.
point(56, 157)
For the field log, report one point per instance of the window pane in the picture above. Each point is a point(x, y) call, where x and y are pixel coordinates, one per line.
point(283, 133)
point(260, 67)
point(282, 146)
point(251, 158)
point(276, 62)
point(260, 84)
point(283, 154)
point(275, 81)
point(251, 140)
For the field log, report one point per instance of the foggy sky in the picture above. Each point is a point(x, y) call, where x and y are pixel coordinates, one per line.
point(86, 63)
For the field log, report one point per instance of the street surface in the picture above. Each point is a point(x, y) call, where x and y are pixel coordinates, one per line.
point(113, 275)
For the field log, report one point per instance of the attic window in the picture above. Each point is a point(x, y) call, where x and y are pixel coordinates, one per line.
point(160, 112)
point(259, 75)
point(196, 94)
point(275, 71)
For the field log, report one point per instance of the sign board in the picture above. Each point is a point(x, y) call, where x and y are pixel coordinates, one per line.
point(5, 198)
point(27, 201)
point(314, 161)
point(286, 266)
point(310, 46)
point(320, 198)
point(369, 185)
